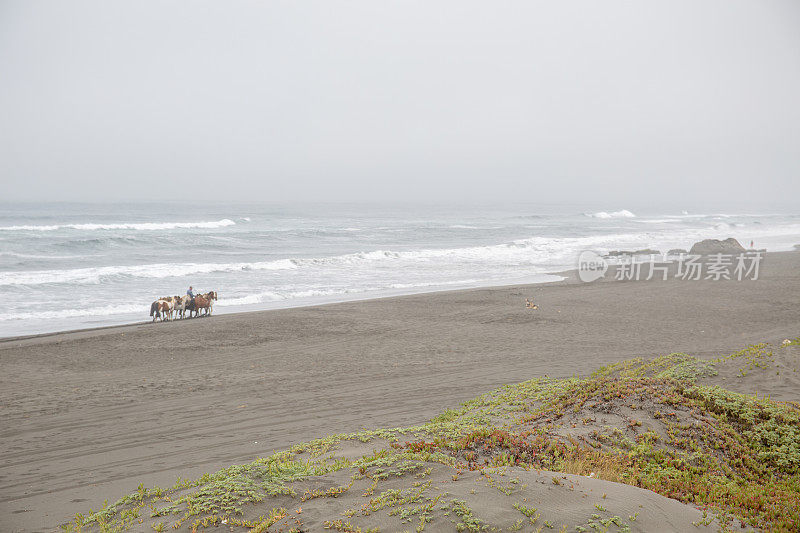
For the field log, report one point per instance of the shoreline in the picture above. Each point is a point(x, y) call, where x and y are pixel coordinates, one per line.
point(93, 413)
point(566, 276)
point(330, 300)
point(311, 301)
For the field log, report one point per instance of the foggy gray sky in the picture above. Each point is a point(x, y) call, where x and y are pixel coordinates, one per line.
point(379, 100)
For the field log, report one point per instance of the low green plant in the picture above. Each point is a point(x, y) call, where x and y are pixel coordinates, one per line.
point(734, 455)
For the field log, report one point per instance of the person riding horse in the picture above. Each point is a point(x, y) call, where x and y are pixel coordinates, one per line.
point(190, 306)
point(194, 303)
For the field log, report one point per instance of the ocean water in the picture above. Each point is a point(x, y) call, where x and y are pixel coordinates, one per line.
point(68, 266)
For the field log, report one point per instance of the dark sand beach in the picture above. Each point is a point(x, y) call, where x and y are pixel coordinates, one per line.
point(88, 416)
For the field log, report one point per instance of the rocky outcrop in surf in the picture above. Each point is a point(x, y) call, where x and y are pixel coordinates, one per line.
point(715, 246)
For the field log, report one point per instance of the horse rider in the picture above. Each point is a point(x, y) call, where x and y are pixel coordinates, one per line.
point(190, 294)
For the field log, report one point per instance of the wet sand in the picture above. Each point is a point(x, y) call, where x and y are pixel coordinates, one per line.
point(89, 415)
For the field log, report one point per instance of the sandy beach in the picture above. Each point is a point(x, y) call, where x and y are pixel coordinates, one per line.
point(88, 416)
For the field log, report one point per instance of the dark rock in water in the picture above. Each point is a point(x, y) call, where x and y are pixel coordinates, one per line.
point(677, 251)
point(714, 246)
point(797, 246)
point(618, 253)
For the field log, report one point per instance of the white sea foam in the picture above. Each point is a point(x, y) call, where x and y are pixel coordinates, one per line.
point(276, 296)
point(531, 251)
point(686, 214)
point(624, 213)
point(141, 226)
point(433, 284)
point(41, 256)
point(521, 251)
point(95, 275)
point(308, 293)
point(528, 253)
point(251, 299)
point(104, 310)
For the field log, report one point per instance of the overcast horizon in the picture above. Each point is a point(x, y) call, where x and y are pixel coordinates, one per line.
point(618, 105)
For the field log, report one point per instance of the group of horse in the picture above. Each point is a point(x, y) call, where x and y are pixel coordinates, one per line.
point(170, 307)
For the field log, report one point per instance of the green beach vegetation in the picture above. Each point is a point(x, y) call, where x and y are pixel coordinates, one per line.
point(660, 424)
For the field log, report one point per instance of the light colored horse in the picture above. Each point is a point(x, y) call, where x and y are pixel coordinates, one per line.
point(170, 300)
point(161, 309)
point(180, 303)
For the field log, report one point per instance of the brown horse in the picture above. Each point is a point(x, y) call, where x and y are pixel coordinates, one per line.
point(161, 309)
point(204, 302)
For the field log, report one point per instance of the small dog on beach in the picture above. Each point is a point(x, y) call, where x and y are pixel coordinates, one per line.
point(530, 305)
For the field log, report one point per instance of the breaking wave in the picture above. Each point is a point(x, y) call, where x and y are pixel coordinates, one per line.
point(106, 310)
point(531, 251)
point(95, 275)
point(139, 226)
point(624, 213)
